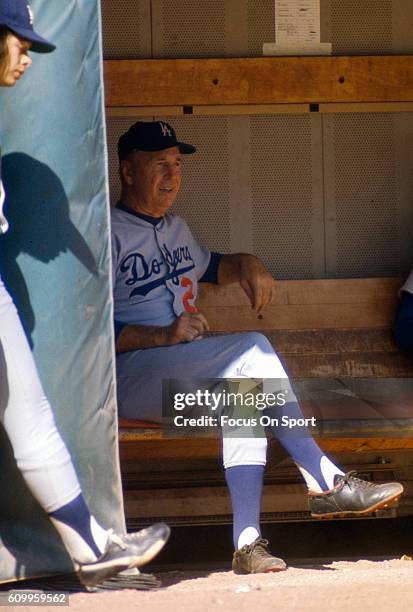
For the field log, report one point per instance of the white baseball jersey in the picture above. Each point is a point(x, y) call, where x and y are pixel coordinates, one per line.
point(155, 273)
point(155, 269)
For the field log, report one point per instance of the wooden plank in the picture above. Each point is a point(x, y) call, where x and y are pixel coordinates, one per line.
point(353, 365)
point(300, 305)
point(235, 110)
point(251, 109)
point(323, 291)
point(275, 80)
point(333, 342)
point(144, 111)
point(367, 107)
point(301, 317)
point(206, 501)
point(159, 450)
point(365, 445)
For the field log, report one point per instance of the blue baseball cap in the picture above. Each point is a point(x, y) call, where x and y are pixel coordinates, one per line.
point(150, 136)
point(17, 16)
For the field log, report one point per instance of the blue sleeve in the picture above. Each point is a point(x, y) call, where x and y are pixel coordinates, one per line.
point(211, 273)
point(118, 328)
point(403, 325)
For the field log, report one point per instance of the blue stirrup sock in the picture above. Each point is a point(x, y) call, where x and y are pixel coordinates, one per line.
point(83, 537)
point(245, 487)
point(317, 469)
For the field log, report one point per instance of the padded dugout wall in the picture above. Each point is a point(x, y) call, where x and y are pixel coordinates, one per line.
point(313, 195)
point(56, 259)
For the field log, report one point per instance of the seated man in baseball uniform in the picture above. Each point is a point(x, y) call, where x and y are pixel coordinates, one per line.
point(403, 325)
point(155, 260)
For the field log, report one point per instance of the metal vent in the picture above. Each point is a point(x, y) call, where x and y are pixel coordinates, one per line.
point(224, 28)
point(282, 194)
point(261, 25)
point(365, 195)
point(257, 184)
point(204, 198)
point(189, 29)
point(115, 127)
point(362, 27)
point(404, 156)
point(126, 27)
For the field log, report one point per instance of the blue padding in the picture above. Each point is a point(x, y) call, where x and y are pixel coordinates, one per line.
point(56, 258)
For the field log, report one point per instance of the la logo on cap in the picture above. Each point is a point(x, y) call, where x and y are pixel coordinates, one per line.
point(165, 130)
point(31, 15)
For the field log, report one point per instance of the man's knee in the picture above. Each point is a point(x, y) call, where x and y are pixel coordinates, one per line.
point(261, 361)
point(258, 340)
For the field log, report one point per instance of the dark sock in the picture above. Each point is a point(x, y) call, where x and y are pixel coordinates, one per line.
point(245, 487)
point(76, 514)
point(301, 446)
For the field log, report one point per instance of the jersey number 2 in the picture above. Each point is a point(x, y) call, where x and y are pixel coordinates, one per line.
point(188, 295)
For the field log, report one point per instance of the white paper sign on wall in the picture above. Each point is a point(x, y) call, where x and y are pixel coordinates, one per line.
point(297, 29)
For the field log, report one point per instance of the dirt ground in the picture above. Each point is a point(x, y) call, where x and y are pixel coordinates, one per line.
point(339, 586)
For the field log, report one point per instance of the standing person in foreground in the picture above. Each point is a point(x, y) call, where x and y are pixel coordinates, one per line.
point(156, 261)
point(39, 450)
point(403, 324)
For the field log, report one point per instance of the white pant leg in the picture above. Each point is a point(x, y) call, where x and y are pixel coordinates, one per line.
point(140, 374)
point(25, 412)
point(258, 360)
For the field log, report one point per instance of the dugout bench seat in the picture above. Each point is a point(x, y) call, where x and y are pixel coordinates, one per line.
point(322, 329)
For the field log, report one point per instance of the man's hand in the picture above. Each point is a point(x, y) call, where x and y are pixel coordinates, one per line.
point(257, 282)
point(252, 275)
point(186, 328)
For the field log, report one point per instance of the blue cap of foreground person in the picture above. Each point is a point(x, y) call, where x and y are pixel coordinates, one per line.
point(17, 16)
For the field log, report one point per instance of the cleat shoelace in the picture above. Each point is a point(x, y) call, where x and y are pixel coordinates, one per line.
point(260, 547)
point(115, 539)
point(350, 479)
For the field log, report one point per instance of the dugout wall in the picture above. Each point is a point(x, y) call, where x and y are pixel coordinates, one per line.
point(303, 192)
point(56, 263)
point(315, 195)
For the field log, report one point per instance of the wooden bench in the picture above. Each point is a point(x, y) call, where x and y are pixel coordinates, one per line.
point(323, 329)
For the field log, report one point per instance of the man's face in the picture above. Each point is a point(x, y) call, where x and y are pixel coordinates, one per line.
point(17, 60)
point(153, 179)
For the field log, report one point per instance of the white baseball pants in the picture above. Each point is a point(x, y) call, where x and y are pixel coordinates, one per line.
point(247, 355)
point(25, 412)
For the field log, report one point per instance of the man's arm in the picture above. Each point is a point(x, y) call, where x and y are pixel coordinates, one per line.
point(185, 328)
point(251, 274)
